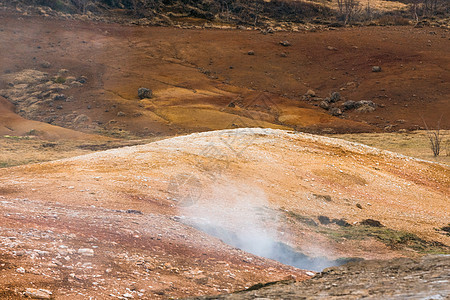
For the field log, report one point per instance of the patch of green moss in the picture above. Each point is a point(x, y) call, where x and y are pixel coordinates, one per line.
point(302, 219)
point(394, 239)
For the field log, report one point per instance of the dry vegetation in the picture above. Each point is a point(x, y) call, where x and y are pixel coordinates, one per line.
point(16, 150)
point(415, 144)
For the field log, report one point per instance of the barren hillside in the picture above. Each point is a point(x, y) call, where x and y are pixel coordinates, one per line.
point(85, 76)
point(151, 221)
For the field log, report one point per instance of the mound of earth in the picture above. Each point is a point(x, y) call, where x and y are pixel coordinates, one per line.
point(167, 219)
point(12, 124)
point(425, 278)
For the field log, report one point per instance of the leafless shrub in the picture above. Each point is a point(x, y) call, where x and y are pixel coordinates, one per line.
point(435, 137)
point(427, 8)
point(349, 9)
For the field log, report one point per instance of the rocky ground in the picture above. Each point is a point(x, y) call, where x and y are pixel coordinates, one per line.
point(424, 278)
point(167, 219)
point(322, 81)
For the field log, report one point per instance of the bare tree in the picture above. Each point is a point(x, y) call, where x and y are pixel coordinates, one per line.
point(435, 137)
point(348, 9)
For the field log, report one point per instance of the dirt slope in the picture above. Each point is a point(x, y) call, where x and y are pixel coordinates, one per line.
point(203, 79)
point(138, 210)
point(425, 278)
point(14, 125)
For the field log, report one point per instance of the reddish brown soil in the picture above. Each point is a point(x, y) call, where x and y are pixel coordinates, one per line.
point(195, 74)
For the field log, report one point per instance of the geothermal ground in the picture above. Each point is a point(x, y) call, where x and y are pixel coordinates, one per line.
point(133, 221)
point(199, 202)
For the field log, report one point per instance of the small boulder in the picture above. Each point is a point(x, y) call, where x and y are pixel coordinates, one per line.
point(82, 79)
point(251, 52)
point(324, 220)
point(348, 105)
point(366, 102)
point(144, 93)
point(46, 64)
point(376, 69)
point(336, 111)
point(310, 93)
point(365, 109)
point(134, 211)
point(86, 251)
point(80, 119)
point(335, 96)
point(38, 293)
point(121, 114)
point(372, 223)
point(285, 43)
point(365, 106)
point(59, 97)
point(324, 104)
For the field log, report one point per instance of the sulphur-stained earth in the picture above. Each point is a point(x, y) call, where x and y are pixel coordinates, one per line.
point(85, 75)
point(169, 219)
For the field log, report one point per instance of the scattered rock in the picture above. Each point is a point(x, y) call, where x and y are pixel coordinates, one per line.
point(446, 229)
point(335, 111)
point(86, 251)
point(59, 97)
point(285, 43)
point(366, 102)
point(134, 211)
point(335, 97)
point(82, 79)
point(20, 270)
point(349, 105)
point(323, 197)
point(38, 293)
point(332, 48)
point(251, 52)
point(324, 220)
point(365, 108)
point(82, 119)
point(324, 104)
point(46, 64)
point(310, 93)
point(121, 114)
point(376, 69)
point(144, 93)
point(359, 206)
